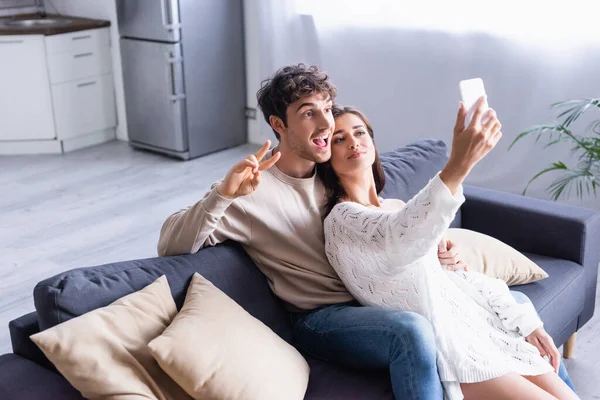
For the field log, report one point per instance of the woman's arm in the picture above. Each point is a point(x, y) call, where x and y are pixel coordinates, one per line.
point(518, 317)
point(407, 234)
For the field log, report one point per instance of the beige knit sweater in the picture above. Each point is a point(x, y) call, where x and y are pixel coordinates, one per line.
point(279, 226)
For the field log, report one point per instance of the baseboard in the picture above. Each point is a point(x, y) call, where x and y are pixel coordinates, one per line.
point(55, 146)
point(23, 147)
point(122, 133)
point(90, 139)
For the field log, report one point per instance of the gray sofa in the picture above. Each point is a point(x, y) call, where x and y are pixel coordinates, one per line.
point(562, 239)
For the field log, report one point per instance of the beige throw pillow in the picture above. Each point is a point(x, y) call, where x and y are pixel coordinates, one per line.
point(490, 256)
point(104, 353)
point(215, 350)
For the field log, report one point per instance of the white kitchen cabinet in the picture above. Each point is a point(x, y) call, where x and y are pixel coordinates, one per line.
point(56, 91)
point(25, 101)
point(78, 54)
point(78, 42)
point(85, 105)
point(65, 67)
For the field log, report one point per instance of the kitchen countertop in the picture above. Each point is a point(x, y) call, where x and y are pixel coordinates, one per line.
point(78, 24)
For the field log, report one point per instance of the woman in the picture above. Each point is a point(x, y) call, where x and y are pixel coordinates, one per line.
point(386, 253)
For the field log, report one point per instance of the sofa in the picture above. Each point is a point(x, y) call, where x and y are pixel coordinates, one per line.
point(562, 239)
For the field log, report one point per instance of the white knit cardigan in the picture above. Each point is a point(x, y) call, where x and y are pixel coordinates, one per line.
point(389, 259)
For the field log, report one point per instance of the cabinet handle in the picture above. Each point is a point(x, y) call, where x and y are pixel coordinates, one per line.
point(83, 55)
point(81, 37)
point(11, 41)
point(86, 84)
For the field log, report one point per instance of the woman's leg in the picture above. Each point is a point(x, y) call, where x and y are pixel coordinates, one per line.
point(506, 387)
point(552, 384)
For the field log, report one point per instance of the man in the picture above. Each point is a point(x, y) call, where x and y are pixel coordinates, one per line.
point(273, 208)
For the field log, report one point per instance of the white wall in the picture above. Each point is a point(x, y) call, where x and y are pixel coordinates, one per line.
point(406, 81)
point(252, 33)
point(11, 7)
point(107, 10)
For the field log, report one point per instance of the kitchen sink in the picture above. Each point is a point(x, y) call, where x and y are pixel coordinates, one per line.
point(34, 23)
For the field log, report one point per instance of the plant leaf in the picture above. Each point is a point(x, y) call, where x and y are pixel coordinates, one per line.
point(539, 130)
point(555, 166)
point(574, 109)
point(585, 178)
point(578, 178)
point(594, 127)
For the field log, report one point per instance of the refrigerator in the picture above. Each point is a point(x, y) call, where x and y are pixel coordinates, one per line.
point(183, 74)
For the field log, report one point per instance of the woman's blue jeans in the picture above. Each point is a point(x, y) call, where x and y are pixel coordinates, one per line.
point(373, 337)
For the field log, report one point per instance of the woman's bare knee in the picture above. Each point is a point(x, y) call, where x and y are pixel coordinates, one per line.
point(507, 387)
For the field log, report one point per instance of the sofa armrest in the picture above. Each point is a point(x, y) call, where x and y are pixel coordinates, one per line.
point(22, 379)
point(541, 227)
point(20, 331)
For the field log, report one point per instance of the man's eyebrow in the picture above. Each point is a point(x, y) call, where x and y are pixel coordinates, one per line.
point(305, 105)
point(311, 104)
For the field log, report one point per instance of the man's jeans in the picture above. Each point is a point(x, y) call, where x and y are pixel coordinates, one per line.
point(374, 337)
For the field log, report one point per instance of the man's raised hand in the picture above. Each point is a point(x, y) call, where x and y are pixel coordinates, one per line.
point(244, 177)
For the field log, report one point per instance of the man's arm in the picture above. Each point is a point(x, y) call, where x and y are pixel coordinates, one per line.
point(218, 216)
point(206, 223)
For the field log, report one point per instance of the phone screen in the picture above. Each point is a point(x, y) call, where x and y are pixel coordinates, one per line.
point(471, 90)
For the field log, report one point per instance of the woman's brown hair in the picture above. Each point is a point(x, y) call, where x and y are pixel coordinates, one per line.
point(334, 189)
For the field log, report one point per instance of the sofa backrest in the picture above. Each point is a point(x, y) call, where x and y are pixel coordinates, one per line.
point(227, 265)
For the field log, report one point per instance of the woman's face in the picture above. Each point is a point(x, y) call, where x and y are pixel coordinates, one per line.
point(352, 148)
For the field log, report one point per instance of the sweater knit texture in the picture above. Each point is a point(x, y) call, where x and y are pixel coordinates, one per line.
point(389, 259)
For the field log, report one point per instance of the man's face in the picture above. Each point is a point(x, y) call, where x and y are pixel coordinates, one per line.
point(309, 127)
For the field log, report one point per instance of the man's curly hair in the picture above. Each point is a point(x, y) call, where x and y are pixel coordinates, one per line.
point(290, 84)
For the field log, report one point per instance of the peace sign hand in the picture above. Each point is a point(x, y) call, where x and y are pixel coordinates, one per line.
point(244, 177)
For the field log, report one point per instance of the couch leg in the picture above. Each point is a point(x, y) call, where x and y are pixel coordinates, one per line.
point(569, 346)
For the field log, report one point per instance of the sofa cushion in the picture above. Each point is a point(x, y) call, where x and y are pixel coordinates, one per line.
point(408, 169)
point(25, 380)
point(104, 353)
point(226, 265)
point(239, 357)
point(494, 258)
point(332, 382)
point(561, 294)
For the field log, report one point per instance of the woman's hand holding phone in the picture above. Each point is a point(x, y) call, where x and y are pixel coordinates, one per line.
point(471, 142)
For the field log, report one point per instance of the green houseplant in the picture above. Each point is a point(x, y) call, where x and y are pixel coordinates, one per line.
point(585, 176)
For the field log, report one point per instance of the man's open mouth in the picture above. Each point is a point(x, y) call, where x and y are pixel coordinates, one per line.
point(321, 142)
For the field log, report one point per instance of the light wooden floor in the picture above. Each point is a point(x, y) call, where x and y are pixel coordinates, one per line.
point(107, 203)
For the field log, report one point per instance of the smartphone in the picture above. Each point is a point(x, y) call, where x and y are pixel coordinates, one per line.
point(470, 91)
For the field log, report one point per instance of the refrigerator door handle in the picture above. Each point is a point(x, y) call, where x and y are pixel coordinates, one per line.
point(167, 14)
point(172, 61)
